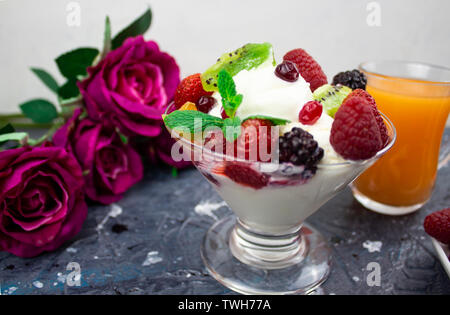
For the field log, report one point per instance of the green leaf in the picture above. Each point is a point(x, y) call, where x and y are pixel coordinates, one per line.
point(275, 121)
point(122, 137)
point(40, 111)
point(8, 128)
point(107, 41)
point(69, 90)
point(231, 128)
point(226, 85)
point(228, 107)
point(74, 63)
point(14, 136)
point(190, 120)
point(46, 78)
point(138, 27)
point(227, 89)
point(174, 172)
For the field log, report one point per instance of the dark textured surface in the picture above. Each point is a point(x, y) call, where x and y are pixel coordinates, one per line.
point(158, 221)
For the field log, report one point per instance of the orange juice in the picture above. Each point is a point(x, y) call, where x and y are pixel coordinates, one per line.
point(405, 176)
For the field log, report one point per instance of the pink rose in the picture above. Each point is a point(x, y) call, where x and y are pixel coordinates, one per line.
point(42, 202)
point(111, 167)
point(131, 87)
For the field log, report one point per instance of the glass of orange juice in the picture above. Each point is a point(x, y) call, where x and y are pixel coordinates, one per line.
point(416, 97)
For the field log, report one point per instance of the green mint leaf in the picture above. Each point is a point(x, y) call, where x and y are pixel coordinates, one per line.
point(138, 27)
point(68, 91)
point(275, 121)
point(191, 120)
point(229, 107)
point(226, 85)
point(107, 41)
point(40, 111)
point(227, 89)
point(237, 100)
point(46, 78)
point(74, 63)
point(231, 128)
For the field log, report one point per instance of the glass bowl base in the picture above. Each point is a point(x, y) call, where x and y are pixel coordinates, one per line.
point(302, 275)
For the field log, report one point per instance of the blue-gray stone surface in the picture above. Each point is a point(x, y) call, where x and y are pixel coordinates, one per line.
point(152, 246)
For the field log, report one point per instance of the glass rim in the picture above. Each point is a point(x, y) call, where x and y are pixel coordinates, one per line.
point(329, 165)
point(363, 67)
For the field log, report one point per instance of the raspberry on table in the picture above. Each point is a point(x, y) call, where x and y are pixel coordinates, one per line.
point(437, 225)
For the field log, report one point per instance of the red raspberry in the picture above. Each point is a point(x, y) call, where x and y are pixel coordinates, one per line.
point(310, 113)
point(189, 90)
point(437, 225)
point(245, 175)
point(373, 104)
point(254, 132)
point(355, 134)
point(308, 68)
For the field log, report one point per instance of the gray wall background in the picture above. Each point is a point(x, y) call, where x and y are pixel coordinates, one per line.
point(196, 32)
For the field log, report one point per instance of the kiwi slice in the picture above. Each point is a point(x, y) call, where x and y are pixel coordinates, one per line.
point(331, 97)
point(247, 57)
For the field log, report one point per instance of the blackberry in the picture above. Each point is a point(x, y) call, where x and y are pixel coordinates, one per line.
point(299, 148)
point(354, 79)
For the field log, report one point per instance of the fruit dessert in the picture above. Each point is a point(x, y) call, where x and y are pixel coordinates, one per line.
point(277, 140)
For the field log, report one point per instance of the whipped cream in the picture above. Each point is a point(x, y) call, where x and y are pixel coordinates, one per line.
point(266, 94)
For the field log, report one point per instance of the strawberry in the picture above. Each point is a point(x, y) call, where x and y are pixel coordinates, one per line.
point(255, 135)
point(245, 175)
point(216, 142)
point(437, 225)
point(355, 134)
point(189, 90)
point(309, 69)
point(372, 103)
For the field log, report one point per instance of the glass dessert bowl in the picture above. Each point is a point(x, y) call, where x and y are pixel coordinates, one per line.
point(266, 247)
point(276, 141)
